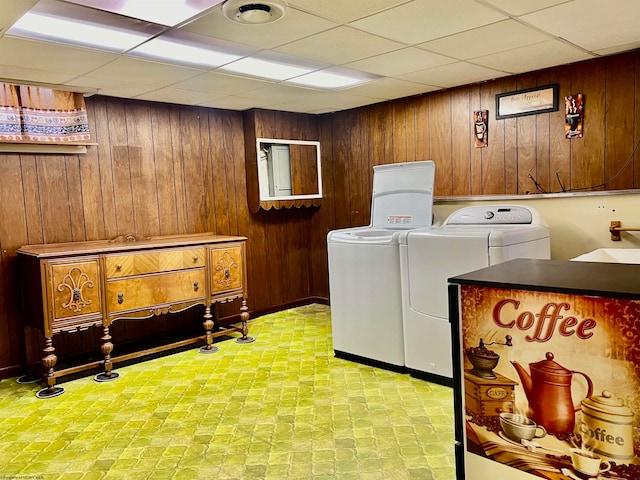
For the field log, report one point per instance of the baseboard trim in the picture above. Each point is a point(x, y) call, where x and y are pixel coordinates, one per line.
point(370, 362)
point(431, 377)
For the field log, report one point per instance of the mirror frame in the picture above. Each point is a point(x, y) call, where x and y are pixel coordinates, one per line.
point(262, 174)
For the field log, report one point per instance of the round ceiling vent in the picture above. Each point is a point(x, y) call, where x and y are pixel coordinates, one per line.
point(254, 12)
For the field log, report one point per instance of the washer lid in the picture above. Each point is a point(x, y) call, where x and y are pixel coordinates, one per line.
point(370, 235)
point(402, 195)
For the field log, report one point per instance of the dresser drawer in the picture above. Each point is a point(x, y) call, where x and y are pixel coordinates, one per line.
point(227, 269)
point(118, 266)
point(73, 288)
point(137, 293)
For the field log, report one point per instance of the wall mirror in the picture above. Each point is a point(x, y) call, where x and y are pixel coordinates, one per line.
point(288, 169)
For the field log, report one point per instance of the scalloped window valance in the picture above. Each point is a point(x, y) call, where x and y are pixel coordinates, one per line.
point(42, 115)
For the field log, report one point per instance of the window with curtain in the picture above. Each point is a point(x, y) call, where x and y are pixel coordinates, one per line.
point(43, 115)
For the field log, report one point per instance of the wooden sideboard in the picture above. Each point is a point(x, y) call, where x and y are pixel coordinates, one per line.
point(68, 287)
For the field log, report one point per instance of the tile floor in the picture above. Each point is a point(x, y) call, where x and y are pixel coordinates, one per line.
point(279, 408)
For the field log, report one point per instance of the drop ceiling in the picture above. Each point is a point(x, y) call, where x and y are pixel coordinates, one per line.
point(408, 46)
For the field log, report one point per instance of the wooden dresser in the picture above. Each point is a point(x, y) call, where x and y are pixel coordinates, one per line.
point(67, 287)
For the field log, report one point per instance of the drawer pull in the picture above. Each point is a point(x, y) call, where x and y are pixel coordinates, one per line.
point(195, 259)
point(227, 273)
point(195, 286)
point(118, 267)
point(121, 298)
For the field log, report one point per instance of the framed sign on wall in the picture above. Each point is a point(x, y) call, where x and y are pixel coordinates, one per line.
point(530, 101)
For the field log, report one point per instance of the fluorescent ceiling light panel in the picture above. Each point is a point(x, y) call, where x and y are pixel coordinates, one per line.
point(272, 70)
point(324, 79)
point(76, 32)
point(183, 53)
point(163, 12)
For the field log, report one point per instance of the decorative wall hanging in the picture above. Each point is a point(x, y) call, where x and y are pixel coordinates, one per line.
point(530, 101)
point(574, 115)
point(481, 128)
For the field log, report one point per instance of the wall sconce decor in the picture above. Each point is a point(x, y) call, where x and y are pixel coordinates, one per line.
point(573, 115)
point(481, 128)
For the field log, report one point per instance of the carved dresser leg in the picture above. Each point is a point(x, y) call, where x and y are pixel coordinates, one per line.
point(49, 362)
point(244, 317)
point(106, 348)
point(209, 347)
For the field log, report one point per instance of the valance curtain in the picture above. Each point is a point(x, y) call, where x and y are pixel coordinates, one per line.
point(53, 116)
point(10, 122)
point(42, 115)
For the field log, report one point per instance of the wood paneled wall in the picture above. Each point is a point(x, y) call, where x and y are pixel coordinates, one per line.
point(165, 169)
point(438, 127)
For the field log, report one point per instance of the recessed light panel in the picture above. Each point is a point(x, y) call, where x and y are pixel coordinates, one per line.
point(163, 12)
point(70, 24)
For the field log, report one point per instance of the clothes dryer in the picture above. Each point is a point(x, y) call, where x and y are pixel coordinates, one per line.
point(469, 239)
point(364, 266)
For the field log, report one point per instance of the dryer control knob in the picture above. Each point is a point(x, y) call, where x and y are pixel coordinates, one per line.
point(489, 215)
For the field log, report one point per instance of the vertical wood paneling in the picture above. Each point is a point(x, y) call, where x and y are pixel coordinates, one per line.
point(168, 201)
point(636, 123)
point(559, 146)
point(526, 143)
point(542, 141)
point(440, 135)
point(498, 159)
point(422, 127)
point(510, 158)
point(461, 142)
point(587, 153)
point(477, 102)
point(619, 140)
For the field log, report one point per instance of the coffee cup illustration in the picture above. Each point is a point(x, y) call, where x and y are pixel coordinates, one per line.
point(588, 463)
point(518, 427)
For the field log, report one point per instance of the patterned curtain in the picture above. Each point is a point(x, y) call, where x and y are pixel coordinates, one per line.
point(53, 116)
point(10, 125)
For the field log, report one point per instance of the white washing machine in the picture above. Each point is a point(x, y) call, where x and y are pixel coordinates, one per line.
point(364, 266)
point(469, 239)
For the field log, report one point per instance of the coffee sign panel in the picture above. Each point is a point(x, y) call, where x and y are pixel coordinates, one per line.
point(574, 363)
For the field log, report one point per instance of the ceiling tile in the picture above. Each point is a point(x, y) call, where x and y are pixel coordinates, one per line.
point(454, 74)
point(519, 7)
point(235, 103)
point(50, 56)
point(344, 11)
point(12, 11)
point(221, 84)
point(591, 24)
point(293, 26)
point(340, 45)
point(416, 22)
point(176, 95)
point(497, 37)
point(328, 102)
point(120, 87)
point(278, 93)
point(12, 74)
point(401, 61)
point(142, 71)
point(533, 57)
point(389, 88)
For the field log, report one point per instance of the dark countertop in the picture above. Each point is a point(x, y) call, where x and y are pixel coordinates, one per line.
point(617, 280)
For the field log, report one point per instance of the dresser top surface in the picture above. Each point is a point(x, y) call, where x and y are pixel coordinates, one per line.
point(124, 244)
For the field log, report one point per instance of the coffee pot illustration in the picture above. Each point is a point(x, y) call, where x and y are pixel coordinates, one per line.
point(548, 390)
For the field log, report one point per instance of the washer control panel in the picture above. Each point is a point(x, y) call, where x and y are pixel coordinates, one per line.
point(490, 215)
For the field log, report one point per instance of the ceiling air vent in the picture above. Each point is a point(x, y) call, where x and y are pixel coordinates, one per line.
point(254, 13)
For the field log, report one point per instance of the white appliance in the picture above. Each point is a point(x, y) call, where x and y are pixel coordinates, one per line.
point(469, 239)
point(364, 266)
